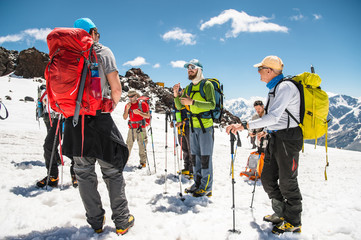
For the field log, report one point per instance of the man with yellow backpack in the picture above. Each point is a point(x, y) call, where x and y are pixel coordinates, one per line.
point(296, 109)
point(280, 170)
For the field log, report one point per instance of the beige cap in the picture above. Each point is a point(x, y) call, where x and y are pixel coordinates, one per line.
point(132, 93)
point(273, 62)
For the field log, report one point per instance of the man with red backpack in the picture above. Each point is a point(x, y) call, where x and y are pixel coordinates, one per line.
point(96, 138)
point(138, 112)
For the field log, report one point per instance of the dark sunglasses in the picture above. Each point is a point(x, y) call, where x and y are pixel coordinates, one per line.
point(132, 96)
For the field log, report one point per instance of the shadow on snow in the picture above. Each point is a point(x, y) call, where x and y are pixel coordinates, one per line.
point(167, 203)
point(28, 164)
point(173, 178)
point(65, 233)
point(33, 191)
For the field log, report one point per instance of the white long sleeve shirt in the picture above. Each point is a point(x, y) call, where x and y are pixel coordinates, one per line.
point(287, 96)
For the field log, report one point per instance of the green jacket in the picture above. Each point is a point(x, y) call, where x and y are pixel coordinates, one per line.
point(200, 104)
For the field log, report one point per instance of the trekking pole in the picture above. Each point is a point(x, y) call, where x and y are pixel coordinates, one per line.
point(233, 139)
point(140, 130)
point(61, 131)
point(181, 143)
point(176, 151)
point(166, 147)
point(52, 154)
point(254, 188)
point(255, 174)
point(151, 135)
point(239, 144)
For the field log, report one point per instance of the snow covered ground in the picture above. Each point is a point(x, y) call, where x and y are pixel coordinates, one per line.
point(331, 209)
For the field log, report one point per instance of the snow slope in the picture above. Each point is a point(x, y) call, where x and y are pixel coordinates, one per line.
point(331, 208)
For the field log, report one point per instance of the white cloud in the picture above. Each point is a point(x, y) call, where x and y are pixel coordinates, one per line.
point(11, 38)
point(242, 22)
point(297, 17)
point(180, 35)
point(138, 61)
point(178, 64)
point(38, 34)
point(317, 16)
point(27, 35)
point(157, 65)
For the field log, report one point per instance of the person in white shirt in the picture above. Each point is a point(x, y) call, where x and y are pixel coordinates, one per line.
point(285, 140)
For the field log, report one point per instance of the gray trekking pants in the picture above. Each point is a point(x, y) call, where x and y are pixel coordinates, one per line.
point(87, 179)
point(202, 151)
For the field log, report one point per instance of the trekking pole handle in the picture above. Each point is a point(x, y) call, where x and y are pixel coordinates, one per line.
point(232, 139)
point(166, 121)
point(239, 143)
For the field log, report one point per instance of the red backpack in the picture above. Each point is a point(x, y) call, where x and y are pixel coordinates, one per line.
point(140, 100)
point(147, 120)
point(72, 80)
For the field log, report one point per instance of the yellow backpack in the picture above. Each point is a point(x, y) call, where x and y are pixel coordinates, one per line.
point(313, 108)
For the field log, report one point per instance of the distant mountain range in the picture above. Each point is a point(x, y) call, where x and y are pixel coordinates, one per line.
point(344, 129)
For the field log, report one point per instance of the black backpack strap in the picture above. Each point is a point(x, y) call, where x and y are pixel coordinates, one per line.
point(288, 78)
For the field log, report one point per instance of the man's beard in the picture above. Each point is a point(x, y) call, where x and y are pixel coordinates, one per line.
point(192, 76)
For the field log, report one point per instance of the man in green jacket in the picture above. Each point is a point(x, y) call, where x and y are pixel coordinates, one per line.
point(202, 133)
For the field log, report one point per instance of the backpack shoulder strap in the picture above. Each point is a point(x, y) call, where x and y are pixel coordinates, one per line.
point(300, 89)
point(201, 88)
point(140, 104)
point(189, 89)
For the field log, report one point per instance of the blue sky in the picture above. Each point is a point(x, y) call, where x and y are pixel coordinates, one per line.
point(227, 36)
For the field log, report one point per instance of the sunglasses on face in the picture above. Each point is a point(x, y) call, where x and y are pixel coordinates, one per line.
point(132, 96)
point(260, 68)
point(191, 67)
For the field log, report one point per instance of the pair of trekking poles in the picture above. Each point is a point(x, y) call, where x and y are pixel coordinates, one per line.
point(177, 160)
point(233, 157)
point(140, 130)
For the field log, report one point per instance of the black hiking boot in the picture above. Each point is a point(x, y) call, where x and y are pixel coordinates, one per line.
point(74, 181)
point(121, 230)
point(274, 219)
point(285, 226)
point(191, 189)
point(100, 230)
point(53, 182)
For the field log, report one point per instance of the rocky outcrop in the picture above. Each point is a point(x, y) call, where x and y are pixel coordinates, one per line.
point(31, 63)
point(7, 61)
